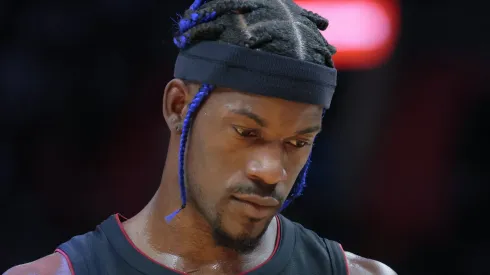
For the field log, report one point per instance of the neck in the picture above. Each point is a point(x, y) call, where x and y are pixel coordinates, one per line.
point(186, 243)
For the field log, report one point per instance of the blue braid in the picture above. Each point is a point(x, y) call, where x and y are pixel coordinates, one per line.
point(182, 41)
point(197, 4)
point(196, 102)
point(299, 186)
point(187, 24)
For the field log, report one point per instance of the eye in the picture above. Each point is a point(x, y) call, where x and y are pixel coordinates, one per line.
point(298, 143)
point(245, 132)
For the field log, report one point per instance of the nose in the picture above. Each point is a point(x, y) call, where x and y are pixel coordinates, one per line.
point(266, 165)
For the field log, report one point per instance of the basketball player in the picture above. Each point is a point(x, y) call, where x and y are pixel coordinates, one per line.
point(252, 81)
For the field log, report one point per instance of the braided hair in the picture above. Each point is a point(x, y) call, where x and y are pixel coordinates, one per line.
point(276, 26)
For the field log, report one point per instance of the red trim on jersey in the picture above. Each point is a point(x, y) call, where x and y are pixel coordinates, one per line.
point(121, 227)
point(72, 271)
point(345, 259)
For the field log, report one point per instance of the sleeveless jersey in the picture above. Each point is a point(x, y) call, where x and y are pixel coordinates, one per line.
point(108, 250)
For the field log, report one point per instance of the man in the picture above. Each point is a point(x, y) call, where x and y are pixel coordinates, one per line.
point(252, 79)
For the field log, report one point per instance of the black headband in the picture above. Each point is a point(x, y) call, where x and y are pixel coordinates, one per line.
point(257, 72)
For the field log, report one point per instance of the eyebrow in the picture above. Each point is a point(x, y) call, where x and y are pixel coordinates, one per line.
point(260, 121)
point(309, 130)
point(244, 112)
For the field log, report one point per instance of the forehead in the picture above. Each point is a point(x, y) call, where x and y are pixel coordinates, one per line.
point(222, 100)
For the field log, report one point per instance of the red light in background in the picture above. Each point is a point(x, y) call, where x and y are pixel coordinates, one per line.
point(363, 31)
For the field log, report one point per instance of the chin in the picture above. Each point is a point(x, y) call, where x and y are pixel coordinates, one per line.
point(239, 236)
point(241, 243)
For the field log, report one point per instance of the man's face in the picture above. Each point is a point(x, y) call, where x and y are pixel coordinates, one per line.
point(243, 157)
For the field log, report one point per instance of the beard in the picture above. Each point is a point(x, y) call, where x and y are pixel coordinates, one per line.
point(241, 243)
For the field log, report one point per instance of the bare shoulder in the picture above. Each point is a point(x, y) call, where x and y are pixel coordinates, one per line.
point(359, 265)
point(54, 264)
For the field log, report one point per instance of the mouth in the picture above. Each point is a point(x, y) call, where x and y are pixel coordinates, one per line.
point(256, 207)
point(257, 200)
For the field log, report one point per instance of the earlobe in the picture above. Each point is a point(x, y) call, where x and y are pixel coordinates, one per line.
point(178, 128)
point(174, 106)
point(175, 124)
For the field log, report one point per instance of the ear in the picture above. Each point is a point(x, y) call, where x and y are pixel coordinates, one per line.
point(176, 98)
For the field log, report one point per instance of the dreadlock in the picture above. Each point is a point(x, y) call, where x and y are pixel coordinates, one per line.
point(276, 26)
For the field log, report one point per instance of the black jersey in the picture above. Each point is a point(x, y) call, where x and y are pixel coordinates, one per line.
point(108, 250)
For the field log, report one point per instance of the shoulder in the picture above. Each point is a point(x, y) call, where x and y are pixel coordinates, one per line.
point(359, 265)
point(356, 265)
point(54, 264)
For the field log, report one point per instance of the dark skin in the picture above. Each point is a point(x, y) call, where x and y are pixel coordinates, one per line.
point(239, 143)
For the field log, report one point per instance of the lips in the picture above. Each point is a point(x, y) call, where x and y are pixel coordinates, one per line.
point(257, 200)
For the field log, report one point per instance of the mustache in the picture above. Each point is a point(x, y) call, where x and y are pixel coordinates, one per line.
point(258, 189)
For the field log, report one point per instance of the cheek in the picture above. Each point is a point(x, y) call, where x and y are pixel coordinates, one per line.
point(296, 163)
point(205, 157)
point(199, 155)
point(213, 143)
point(208, 164)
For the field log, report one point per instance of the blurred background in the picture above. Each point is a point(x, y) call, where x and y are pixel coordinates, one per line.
point(400, 174)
